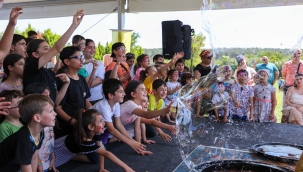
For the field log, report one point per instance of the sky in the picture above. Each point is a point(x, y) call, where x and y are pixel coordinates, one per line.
point(272, 27)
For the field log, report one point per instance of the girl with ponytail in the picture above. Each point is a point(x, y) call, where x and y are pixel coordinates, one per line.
point(85, 143)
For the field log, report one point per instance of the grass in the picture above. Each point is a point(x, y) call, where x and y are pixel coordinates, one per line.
point(279, 96)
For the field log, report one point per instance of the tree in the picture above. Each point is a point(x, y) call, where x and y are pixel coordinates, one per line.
point(197, 44)
point(134, 48)
point(50, 37)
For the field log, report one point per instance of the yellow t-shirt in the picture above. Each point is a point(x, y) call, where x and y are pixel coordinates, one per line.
point(148, 85)
point(153, 105)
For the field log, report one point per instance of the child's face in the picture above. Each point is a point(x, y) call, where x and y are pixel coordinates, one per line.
point(152, 70)
point(140, 93)
point(119, 95)
point(48, 116)
point(189, 80)
point(99, 124)
point(130, 62)
point(81, 45)
point(263, 77)
point(242, 77)
point(221, 88)
point(160, 59)
point(19, 67)
point(228, 73)
point(42, 50)
point(145, 63)
point(175, 76)
point(90, 50)
point(161, 92)
point(145, 104)
point(14, 110)
point(75, 63)
point(180, 67)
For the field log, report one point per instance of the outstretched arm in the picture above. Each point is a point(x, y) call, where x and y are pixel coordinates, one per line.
point(7, 38)
point(59, 45)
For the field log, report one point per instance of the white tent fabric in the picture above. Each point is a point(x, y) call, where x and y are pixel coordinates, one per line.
point(61, 8)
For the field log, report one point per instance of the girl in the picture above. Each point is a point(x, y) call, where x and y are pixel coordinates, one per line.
point(172, 93)
point(142, 63)
point(39, 54)
point(131, 111)
point(265, 98)
point(130, 59)
point(242, 64)
point(187, 78)
point(228, 82)
point(46, 153)
point(13, 66)
point(150, 74)
point(241, 102)
point(85, 140)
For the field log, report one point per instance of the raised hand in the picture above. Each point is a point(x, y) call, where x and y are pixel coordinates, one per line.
point(95, 64)
point(63, 77)
point(14, 15)
point(78, 18)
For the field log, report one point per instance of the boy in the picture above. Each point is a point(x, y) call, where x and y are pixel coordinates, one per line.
point(20, 150)
point(79, 41)
point(11, 123)
point(220, 102)
point(32, 34)
point(158, 58)
point(77, 93)
point(180, 68)
point(109, 108)
point(18, 45)
point(156, 100)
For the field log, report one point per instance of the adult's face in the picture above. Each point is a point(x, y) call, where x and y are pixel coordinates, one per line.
point(207, 60)
point(90, 50)
point(265, 60)
point(120, 51)
point(297, 55)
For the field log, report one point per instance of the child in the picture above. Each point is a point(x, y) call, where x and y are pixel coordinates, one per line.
point(241, 102)
point(187, 78)
point(130, 59)
point(109, 108)
point(131, 109)
point(37, 113)
point(77, 93)
point(228, 82)
point(39, 54)
point(82, 141)
point(13, 65)
point(179, 66)
point(46, 153)
point(172, 93)
point(265, 98)
point(150, 74)
point(11, 122)
point(79, 41)
point(220, 102)
point(156, 100)
point(142, 64)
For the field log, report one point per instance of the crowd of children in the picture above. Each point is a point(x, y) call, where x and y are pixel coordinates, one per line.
point(94, 104)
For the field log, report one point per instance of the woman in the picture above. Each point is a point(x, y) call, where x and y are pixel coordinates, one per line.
point(242, 65)
point(293, 112)
point(204, 67)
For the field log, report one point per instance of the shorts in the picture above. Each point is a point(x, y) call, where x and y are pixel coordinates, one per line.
point(238, 117)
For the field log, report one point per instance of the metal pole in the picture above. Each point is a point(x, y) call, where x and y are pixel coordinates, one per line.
point(121, 14)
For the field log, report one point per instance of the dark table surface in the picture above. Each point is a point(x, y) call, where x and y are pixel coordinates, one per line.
point(166, 156)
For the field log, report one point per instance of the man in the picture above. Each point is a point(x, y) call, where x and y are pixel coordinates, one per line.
point(274, 72)
point(18, 45)
point(32, 34)
point(291, 68)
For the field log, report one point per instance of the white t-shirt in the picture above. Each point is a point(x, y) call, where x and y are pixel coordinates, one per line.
point(96, 92)
point(126, 112)
point(174, 96)
point(104, 109)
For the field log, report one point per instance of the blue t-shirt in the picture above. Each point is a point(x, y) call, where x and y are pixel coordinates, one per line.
point(271, 67)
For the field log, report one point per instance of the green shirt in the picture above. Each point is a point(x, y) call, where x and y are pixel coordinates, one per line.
point(7, 129)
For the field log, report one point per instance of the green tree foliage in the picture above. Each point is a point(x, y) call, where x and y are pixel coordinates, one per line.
point(24, 32)
point(50, 37)
point(134, 48)
point(197, 44)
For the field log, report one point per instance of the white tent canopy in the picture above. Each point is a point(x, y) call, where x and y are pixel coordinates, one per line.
point(61, 8)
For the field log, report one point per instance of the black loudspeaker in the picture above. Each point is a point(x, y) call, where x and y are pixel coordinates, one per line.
point(171, 38)
point(176, 37)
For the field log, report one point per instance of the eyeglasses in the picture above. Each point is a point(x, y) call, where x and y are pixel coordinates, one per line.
point(122, 49)
point(209, 57)
point(14, 107)
point(299, 79)
point(81, 57)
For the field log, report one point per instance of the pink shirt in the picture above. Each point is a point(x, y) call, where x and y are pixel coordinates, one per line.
point(289, 71)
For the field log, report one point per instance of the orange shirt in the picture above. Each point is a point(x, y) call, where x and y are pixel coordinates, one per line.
point(289, 71)
point(123, 69)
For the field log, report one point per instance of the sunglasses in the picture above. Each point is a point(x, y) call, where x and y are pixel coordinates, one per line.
point(81, 57)
point(209, 57)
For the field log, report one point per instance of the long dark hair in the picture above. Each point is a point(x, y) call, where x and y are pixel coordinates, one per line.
point(84, 118)
point(144, 72)
point(33, 46)
point(140, 59)
point(131, 87)
point(170, 73)
point(10, 60)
